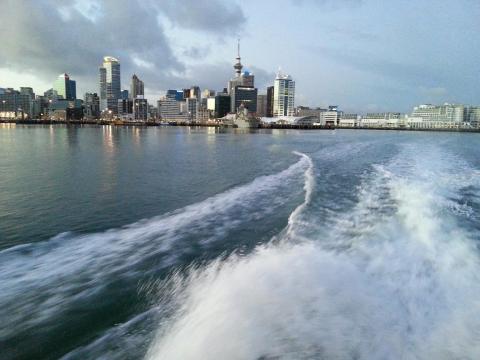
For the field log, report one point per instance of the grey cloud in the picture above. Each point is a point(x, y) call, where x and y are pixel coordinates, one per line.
point(40, 39)
point(213, 16)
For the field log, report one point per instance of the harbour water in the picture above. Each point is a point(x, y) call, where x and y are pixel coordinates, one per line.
point(198, 243)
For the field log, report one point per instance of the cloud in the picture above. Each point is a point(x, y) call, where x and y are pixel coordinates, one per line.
point(46, 38)
point(211, 16)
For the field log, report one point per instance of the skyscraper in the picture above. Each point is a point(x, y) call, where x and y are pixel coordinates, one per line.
point(136, 87)
point(109, 84)
point(283, 95)
point(261, 105)
point(65, 88)
point(270, 92)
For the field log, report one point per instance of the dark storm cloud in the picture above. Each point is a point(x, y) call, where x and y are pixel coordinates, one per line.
point(49, 37)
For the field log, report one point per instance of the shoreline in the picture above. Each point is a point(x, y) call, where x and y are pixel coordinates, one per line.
point(199, 124)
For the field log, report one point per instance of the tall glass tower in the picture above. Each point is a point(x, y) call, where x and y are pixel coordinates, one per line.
point(65, 87)
point(283, 95)
point(110, 84)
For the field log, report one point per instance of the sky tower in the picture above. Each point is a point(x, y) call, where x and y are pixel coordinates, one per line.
point(238, 65)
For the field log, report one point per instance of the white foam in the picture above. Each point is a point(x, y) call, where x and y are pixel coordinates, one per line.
point(406, 287)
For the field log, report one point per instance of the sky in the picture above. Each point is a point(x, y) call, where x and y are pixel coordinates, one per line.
point(362, 55)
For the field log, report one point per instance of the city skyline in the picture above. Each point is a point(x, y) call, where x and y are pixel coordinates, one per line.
point(349, 53)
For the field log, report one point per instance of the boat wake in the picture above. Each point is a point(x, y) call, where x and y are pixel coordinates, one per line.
point(41, 282)
point(396, 278)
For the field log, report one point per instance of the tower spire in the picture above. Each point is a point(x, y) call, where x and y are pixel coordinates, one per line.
point(238, 65)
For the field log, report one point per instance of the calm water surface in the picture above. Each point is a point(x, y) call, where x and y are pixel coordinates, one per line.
point(195, 243)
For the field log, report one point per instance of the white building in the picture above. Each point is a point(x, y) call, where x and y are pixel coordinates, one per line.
point(446, 115)
point(378, 120)
point(284, 95)
point(348, 120)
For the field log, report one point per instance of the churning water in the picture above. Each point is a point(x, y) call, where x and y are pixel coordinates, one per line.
point(331, 245)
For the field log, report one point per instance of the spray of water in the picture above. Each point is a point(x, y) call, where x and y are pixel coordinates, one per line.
point(397, 278)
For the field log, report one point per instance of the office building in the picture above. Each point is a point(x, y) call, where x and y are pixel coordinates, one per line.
point(270, 93)
point(16, 104)
point(140, 109)
point(262, 105)
point(222, 104)
point(284, 95)
point(109, 84)
point(245, 95)
point(66, 89)
point(446, 113)
point(136, 87)
point(91, 106)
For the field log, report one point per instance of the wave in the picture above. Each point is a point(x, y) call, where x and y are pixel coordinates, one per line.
point(42, 280)
point(396, 278)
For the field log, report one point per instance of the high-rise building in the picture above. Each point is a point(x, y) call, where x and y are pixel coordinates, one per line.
point(270, 93)
point(136, 87)
point(65, 88)
point(109, 84)
point(125, 107)
point(140, 109)
point(31, 95)
point(91, 106)
point(245, 95)
point(192, 108)
point(222, 104)
point(16, 102)
point(284, 95)
point(195, 93)
point(262, 105)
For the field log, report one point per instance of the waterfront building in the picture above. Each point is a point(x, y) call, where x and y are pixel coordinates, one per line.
point(303, 111)
point(39, 107)
point(245, 95)
point(15, 104)
point(383, 119)
point(169, 108)
point(65, 87)
point(62, 110)
point(222, 104)
point(348, 120)
point(91, 106)
point(191, 108)
point(109, 84)
point(152, 113)
point(330, 117)
point(284, 95)
point(262, 105)
point(140, 109)
point(472, 116)
point(446, 115)
point(136, 87)
point(270, 95)
point(28, 99)
point(125, 108)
